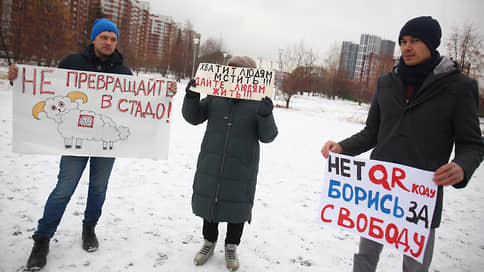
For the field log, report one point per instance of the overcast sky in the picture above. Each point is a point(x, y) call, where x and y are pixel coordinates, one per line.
point(259, 28)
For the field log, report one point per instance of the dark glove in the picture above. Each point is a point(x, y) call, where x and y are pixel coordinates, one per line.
point(265, 107)
point(189, 92)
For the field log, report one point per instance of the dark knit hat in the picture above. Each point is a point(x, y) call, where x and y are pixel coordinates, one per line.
point(242, 62)
point(425, 28)
point(101, 25)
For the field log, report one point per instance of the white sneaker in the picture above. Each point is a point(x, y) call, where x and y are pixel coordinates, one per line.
point(231, 258)
point(205, 252)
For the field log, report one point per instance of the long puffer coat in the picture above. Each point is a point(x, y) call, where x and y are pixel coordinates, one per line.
point(226, 176)
point(422, 132)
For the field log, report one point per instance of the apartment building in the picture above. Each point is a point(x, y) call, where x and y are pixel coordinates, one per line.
point(349, 52)
point(366, 59)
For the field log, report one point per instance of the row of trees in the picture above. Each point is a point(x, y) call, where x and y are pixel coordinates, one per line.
point(179, 57)
point(39, 33)
point(45, 31)
point(464, 46)
point(42, 33)
point(328, 78)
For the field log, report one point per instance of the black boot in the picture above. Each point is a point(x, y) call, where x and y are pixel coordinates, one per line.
point(38, 256)
point(89, 240)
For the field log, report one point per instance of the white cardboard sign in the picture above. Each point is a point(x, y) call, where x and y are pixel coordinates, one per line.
point(389, 203)
point(234, 82)
point(60, 111)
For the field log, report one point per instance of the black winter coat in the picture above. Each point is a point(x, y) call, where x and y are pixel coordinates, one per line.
point(226, 175)
point(87, 61)
point(421, 132)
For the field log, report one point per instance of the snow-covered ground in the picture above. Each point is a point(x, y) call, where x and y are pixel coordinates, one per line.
point(147, 224)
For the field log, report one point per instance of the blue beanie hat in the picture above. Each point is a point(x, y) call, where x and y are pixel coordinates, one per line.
point(101, 25)
point(425, 28)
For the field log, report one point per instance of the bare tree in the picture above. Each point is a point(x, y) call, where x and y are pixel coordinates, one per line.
point(178, 55)
point(299, 80)
point(212, 51)
point(35, 33)
point(378, 65)
point(465, 46)
point(211, 46)
point(54, 36)
point(300, 61)
point(334, 75)
point(190, 48)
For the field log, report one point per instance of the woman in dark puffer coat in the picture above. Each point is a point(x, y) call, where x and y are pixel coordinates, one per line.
point(226, 175)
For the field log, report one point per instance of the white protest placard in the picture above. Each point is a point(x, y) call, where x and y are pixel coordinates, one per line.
point(389, 203)
point(234, 82)
point(60, 111)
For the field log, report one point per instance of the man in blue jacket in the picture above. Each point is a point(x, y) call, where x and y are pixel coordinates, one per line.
point(100, 56)
point(419, 112)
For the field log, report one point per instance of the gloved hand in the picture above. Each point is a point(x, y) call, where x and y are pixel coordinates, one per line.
point(265, 107)
point(189, 92)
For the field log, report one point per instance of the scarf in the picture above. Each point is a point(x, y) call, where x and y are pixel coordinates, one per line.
point(415, 75)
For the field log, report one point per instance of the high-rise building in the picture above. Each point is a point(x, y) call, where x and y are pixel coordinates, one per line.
point(349, 51)
point(159, 35)
point(387, 48)
point(368, 49)
point(132, 18)
point(371, 57)
point(147, 34)
point(80, 12)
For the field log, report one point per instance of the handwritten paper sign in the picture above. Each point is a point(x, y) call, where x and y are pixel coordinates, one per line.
point(386, 202)
point(234, 82)
point(60, 111)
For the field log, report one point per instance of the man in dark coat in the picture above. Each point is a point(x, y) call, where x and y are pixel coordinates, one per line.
point(420, 110)
point(226, 176)
point(100, 56)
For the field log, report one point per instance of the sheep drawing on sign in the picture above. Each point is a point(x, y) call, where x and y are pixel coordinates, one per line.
point(74, 123)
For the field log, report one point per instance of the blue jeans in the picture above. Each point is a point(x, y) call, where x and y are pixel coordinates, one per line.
point(70, 171)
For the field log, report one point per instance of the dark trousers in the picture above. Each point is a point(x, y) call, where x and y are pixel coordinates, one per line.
point(367, 258)
point(234, 232)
